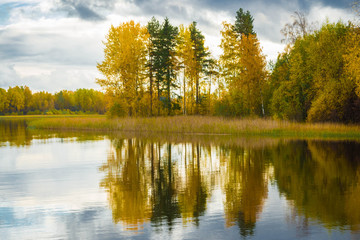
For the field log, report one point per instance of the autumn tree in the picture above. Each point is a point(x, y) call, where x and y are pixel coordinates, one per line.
point(65, 100)
point(253, 75)
point(124, 64)
point(42, 101)
point(243, 66)
point(230, 57)
point(352, 56)
point(185, 54)
point(4, 103)
point(27, 98)
point(193, 57)
point(317, 80)
point(16, 99)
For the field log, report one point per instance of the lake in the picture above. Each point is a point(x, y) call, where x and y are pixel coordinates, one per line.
point(83, 185)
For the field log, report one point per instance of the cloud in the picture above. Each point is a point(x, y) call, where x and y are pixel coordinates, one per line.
point(46, 77)
point(53, 45)
point(65, 41)
point(89, 10)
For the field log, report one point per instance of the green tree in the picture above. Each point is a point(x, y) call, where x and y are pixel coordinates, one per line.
point(313, 81)
point(200, 55)
point(84, 99)
point(153, 28)
point(166, 63)
point(244, 23)
point(65, 100)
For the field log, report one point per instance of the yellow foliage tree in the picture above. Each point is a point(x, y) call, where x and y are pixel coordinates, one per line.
point(124, 65)
point(230, 58)
point(253, 75)
point(243, 68)
point(352, 56)
point(185, 53)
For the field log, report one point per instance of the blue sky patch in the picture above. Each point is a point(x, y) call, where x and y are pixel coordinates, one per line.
point(6, 8)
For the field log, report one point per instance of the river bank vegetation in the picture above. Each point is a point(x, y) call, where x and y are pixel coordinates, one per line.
point(197, 125)
point(164, 70)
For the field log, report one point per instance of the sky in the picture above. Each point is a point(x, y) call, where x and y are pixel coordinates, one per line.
point(51, 45)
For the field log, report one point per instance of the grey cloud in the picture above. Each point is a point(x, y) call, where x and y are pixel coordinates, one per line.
point(86, 13)
point(90, 10)
point(303, 5)
point(46, 47)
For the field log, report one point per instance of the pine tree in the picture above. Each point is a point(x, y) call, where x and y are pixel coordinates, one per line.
point(153, 28)
point(244, 23)
point(165, 63)
point(200, 55)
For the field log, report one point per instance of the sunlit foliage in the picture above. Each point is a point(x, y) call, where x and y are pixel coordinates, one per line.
point(124, 64)
point(316, 79)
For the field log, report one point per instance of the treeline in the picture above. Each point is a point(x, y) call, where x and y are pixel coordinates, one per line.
point(20, 100)
point(317, 78)
point(161, 69)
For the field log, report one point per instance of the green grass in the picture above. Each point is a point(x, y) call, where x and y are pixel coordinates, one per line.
point(198, 125)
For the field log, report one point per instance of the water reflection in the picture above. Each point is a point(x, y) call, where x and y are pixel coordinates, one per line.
point(161, 182)
point(245, 177)
point(158, 184)
point(14, 132)
point(322, 181)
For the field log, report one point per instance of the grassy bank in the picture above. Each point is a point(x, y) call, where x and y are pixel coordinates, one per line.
point(199, 125)
point(9, 117)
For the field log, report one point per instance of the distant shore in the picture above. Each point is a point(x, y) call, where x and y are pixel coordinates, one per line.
point(193, 125)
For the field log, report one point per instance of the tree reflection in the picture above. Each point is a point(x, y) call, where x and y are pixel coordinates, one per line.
point(144, 183)
point(14, 131)
point(322, 180)
point(245, 186)
point(166, 183)
point(194, 192)
point(165, 204)
point(127, 184)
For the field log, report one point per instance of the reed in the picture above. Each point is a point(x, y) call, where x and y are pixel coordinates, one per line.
point(200, 125)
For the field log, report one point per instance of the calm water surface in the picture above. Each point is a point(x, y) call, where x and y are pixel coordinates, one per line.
point(93, 186)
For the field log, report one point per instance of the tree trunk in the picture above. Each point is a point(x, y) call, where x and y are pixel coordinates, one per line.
point(184, 110)
point(158, 89)
point(151, 91)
